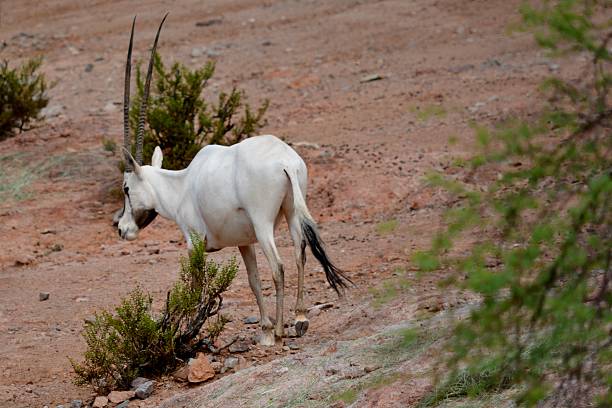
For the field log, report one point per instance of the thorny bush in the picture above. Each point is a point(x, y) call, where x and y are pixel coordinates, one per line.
point(133, 341)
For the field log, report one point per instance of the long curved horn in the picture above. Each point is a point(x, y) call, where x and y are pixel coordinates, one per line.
point(126, 99)
point(145, 98)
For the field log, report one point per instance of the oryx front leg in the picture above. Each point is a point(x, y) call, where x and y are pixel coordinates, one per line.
point(265, 236)
point(250, 261)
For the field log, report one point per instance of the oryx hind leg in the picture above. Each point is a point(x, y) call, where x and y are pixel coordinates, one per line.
point(265, 237)
point(299, 244)
point(250, 261)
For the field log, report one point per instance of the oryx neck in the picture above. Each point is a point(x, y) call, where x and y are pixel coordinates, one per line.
point(168, 189)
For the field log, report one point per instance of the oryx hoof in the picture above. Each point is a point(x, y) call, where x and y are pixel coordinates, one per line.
point(267, 338)
point(301, 326)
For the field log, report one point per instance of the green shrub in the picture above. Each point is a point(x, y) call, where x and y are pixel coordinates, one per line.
point(181, 121)
point(133, 341)
point(22, 96)
point(542, 260)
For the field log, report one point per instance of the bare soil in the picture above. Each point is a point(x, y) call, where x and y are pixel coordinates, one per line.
point(442, 64)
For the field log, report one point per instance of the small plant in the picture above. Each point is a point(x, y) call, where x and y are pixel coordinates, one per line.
point(181, 121)
point(109, 145)
point(133, 341)
point(22, 96)
point(386, 227)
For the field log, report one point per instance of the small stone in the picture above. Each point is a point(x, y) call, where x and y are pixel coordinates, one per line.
point(293, 346)
point(110, 107)
point(370, 78)
point(52, 111)
point(76, 404)
point(144, 390)
point(217, 366)
point(73, 50)
point(100, 402)
point(206, 23)
point(119, 396)
point(281, 370)
point(200, 369)
point(251, 320)
point(42, 296)
point(370, 368)
point(24, 260)
point(197, 52)
point(181, 374)
point(353, 372)
point(239, 347)
point(230, 362)
point(124, 404)
point(307, 145)
point(213, 53)
point(89, 67)
point(136, 382)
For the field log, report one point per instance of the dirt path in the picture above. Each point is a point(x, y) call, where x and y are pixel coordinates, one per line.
point(442, 64)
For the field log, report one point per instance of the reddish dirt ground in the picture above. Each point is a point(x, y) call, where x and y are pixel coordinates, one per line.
point(443, 64)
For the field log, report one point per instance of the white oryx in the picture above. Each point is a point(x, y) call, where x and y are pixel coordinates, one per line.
point(232, 196)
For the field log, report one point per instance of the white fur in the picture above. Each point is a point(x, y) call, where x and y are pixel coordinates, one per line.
point(232, 196)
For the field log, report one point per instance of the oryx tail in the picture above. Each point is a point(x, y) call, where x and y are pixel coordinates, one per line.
point(310, 235)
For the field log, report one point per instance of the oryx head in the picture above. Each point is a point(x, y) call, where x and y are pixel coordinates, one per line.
point(138, 204)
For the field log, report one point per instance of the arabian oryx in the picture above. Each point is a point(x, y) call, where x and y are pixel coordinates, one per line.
point(232, 196)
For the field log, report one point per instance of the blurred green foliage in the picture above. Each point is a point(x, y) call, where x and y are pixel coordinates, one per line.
point(541, 260)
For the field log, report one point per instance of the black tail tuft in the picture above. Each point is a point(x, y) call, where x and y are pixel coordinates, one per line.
point(336, 278)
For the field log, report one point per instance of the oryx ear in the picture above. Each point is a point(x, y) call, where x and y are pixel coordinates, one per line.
point(130, 159)
point(158, 157)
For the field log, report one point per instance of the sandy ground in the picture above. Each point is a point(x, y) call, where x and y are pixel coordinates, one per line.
point(443, 64)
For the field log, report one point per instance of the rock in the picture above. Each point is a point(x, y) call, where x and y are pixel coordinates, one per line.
point(42, 296)
point(217, 366)
point(353, 372)
point(136, 382)
point(197, 52)
point(181, 374)
point(293, 346)
point(307, 145)
point(124, 404)
point(145, 390)
point(73, 50)
point(251, 320)
point(110, 107)
point(200, 369)
point(76, 404)
point(461, 68)
point(100, 402)
point(24, 260)
point(89, 67)
point(371, 367)
point(239, 346)
point(119, 396)
point(206, 23)
point(213, 53)
point(370, 78)
point(51, 111)
point(281, 370)
point(230, 362)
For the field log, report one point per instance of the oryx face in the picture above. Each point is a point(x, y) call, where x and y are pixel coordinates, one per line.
point(137, 207)
point(138, 202)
